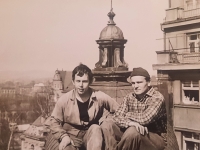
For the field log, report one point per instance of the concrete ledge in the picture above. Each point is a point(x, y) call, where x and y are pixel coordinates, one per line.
point(176, 66)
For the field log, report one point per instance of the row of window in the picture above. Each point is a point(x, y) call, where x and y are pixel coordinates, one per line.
point(57, 86)
point(8, 91)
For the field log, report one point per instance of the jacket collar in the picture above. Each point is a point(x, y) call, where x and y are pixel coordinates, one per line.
point(92, 97)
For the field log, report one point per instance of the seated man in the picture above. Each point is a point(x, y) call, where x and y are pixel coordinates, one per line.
point(140, 120)
point(75, 118)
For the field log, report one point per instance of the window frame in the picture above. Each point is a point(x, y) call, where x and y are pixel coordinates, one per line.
point(196, 48)
point(192, 139)
point(190, 88)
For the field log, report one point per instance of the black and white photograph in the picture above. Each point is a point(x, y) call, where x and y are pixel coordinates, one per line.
point(100, 75)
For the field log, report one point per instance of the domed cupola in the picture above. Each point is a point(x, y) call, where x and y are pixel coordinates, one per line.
point(111, 31)
point(111, 71)
point(111, 64)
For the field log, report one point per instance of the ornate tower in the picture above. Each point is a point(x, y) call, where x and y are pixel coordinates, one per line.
point(111, 71)
point(57, 81)
point(111, 65)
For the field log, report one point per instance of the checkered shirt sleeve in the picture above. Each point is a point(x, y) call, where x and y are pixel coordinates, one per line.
point(120, 113)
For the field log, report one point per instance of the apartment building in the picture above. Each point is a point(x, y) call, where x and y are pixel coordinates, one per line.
point(178, 70)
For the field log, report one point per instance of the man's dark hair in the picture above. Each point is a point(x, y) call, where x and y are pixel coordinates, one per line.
point(82, 69)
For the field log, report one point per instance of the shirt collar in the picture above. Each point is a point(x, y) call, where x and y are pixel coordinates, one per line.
point(150, 91)
point(92, 97)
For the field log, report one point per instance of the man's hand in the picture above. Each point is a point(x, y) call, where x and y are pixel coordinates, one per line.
point(64, 143)
point(142, 130)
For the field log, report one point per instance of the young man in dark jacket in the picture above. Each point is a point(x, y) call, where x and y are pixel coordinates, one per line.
point(75, 118)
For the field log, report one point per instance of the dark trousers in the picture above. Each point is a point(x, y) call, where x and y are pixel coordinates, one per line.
point(92, 139)
point(129, 139)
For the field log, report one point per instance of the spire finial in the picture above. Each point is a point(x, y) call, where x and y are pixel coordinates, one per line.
point(111, 15)
point(111, 6)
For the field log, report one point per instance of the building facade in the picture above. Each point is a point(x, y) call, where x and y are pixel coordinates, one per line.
point(178, 69)
point(61, 82)
point(26, 90)
point(8, 92)
point(34, 137)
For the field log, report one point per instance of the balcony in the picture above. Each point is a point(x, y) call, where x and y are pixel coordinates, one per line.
point(176, 60)
point(189, 57)
point(191, 13)
point(174, 14)
point(166, 57)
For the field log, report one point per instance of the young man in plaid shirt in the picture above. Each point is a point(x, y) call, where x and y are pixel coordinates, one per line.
point(140, 123)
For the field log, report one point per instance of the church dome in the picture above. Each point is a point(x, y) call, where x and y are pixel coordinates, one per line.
point(111, 31)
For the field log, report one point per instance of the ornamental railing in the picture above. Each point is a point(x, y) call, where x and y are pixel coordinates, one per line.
point(178, 13)
point(189, 57)
point(191, 13)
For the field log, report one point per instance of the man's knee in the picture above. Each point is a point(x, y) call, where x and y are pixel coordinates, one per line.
point(93, 138)
point(131, 133)
point(108, 124)
point(95, 129)
point(70, 147)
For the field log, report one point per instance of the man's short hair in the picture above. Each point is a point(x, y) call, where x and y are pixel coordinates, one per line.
point(140, 72)
point(82, 69)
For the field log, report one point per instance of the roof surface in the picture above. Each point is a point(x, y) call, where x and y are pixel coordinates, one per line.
point(66, 77)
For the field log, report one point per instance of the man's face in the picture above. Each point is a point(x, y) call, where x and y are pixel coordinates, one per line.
point(139, 84)
point(81, 84)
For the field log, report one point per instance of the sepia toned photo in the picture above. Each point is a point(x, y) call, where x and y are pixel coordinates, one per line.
point(99, 75)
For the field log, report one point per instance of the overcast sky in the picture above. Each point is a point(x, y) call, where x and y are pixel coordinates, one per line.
point(51, 34)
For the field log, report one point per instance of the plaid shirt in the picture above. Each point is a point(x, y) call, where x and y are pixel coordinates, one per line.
point(149, 111)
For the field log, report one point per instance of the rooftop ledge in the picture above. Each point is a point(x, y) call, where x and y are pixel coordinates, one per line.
point(180, 22)
point(176, 66)
point(166, 52)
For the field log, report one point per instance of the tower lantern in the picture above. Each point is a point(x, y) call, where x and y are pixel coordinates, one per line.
point(111, 65)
